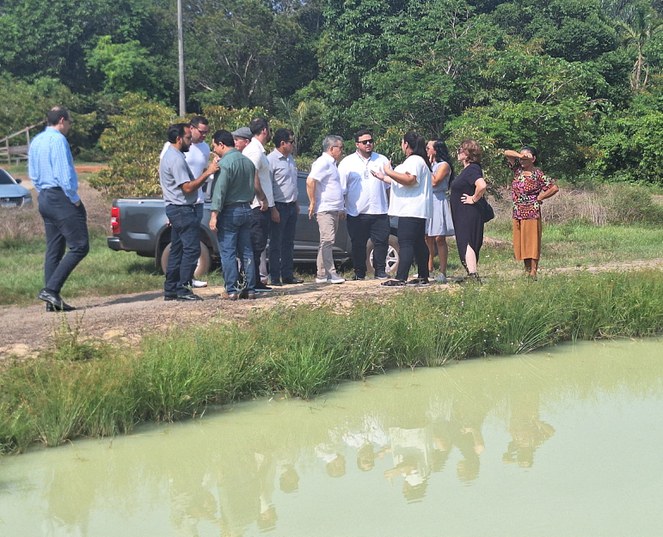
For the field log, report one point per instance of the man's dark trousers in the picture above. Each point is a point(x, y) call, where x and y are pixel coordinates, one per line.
point(369, 226)
point(66, 227)
point(282, 243)
point(184, 248)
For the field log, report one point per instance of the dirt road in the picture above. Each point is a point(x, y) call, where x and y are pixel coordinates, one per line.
point(128, 318)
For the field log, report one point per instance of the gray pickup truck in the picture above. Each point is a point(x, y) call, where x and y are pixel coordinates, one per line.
point(140, 225)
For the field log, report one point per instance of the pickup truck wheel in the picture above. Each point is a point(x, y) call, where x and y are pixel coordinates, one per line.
point(392, 256)
point(204, 261)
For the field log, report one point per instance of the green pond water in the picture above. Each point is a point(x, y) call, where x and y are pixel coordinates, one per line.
point(566, 442)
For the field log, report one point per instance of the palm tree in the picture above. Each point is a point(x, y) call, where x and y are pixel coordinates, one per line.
point(639, 23)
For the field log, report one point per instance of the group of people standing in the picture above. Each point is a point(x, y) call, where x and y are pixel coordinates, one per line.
point(430, 201)
point(254, 203)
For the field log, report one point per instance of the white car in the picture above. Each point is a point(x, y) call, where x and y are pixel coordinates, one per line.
point(12, 194)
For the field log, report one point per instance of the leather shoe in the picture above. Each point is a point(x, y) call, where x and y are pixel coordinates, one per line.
point(55, 300)
point(65, 307)
point(169, 297)
point(292, 281)
point(189, 297)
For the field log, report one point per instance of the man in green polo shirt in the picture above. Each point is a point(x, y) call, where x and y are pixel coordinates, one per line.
point(232, 193)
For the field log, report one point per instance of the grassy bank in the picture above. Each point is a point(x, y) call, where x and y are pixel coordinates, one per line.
point(84, 390)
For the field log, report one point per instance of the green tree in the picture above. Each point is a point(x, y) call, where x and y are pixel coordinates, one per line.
point(126, 67)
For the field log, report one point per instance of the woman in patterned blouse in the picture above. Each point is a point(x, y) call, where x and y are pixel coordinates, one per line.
point(529, 188)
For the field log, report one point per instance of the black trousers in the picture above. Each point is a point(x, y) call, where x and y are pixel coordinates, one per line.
point(66, 228)
point(412, 243)
point(369, 226)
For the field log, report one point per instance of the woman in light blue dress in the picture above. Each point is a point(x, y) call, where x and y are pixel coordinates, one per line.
point(440, 226)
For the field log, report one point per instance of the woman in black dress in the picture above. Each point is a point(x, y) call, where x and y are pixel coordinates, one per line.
point(466, 190)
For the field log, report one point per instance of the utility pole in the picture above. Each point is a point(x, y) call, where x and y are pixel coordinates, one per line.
point(180, 50)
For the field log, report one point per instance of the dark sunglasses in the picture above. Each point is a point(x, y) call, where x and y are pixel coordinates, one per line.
point(365, 142)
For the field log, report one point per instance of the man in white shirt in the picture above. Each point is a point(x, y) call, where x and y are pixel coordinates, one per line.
point(366, 205)
point(325, 195)
point(197, 157)
point(284, 185)
point(261, 218)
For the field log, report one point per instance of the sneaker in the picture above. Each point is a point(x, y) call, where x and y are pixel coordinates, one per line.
point(335, 278)
point(197, 284)
point(260, 287)
point(441, 278)
point(318, 279)
point(232, 296)
point(381, 275)
point(393, 283)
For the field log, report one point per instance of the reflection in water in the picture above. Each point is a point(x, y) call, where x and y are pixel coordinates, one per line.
point(406, 453)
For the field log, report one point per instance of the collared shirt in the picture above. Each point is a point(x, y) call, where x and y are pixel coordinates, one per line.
point(197, 157)
point(173, 173)
point(256, 152)
point(51, 164)
point(234, 181)
point(328, 191)
point(364, 193)
point(284, 177)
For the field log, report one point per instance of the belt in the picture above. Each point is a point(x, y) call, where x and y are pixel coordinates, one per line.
point(238, 204)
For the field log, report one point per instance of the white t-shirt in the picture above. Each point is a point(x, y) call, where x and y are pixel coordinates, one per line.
point(328, 191)
point(364, 193)
point(255, 151)
point(197, 157)
point(415, 200)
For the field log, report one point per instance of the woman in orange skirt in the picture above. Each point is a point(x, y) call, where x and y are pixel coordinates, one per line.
point(529, 188)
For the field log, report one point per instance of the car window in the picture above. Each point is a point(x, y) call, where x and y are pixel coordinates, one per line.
point(5, 179)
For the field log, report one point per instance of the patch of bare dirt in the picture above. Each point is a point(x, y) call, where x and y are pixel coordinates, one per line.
point(126, 319)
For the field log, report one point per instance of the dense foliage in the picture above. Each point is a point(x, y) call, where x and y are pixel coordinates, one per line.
point(580, 79)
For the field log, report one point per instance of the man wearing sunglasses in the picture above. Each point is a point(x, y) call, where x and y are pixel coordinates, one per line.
point(366, 204)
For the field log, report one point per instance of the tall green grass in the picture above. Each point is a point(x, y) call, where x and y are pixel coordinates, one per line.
point(301, 352)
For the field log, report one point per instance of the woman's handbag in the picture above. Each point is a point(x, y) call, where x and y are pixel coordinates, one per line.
point(486, 210)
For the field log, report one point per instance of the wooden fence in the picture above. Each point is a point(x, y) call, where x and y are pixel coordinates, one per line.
point(10, 151)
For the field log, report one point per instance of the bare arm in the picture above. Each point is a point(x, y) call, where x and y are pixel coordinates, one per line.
point(310, 191)
point(479, 189)
point(440, 173)
point(545, 194)
point(192, 186)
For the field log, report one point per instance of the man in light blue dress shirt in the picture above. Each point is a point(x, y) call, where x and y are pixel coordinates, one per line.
point(51, 169)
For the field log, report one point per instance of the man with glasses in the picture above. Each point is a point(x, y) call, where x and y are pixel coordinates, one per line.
point(366, 204)
point(325, 194)
point(197, 157)
point(284, 185)
point(51, 169)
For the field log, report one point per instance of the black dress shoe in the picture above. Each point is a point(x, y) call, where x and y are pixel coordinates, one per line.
point(358, 278)
point(276, 284)
point(189, 297)
point(262, 287)
point(65, 307)
point(55, 300)
point(292, 281)
point(169, 297)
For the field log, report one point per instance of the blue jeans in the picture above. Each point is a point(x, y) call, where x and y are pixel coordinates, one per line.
point(234, 233)
point(184, 248)
point(282, 243)
point(66, 227)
